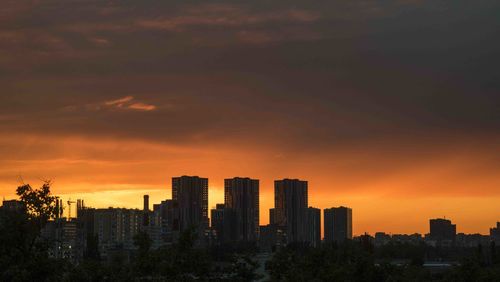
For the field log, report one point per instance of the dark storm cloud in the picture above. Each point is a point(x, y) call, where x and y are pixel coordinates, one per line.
point(290, 72)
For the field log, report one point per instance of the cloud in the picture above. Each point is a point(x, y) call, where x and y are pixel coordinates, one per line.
point(99, 41)
point(229, 16)
point(357, 96)
point(119, 102)
point(142, 107)
point(128, 103)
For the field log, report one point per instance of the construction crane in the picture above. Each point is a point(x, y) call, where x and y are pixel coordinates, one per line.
point(69, 207)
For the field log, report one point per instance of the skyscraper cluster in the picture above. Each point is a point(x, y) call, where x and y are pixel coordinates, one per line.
point(236, 221)
point(291, 220)
point(107, 231)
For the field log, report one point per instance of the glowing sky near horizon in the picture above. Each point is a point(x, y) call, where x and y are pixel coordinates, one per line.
point(389, 107)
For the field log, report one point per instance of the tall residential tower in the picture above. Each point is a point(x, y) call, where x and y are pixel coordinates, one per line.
point(338, 224)
point(241, 196)
point(191, 195)
point(290, 208)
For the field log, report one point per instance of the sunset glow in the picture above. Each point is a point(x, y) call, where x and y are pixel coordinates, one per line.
point(398, 122)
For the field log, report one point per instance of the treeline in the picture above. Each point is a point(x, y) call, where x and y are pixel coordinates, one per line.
point(178, 262)
point(360, 261)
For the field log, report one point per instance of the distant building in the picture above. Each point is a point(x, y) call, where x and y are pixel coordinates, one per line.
point(495, 234)
point(222, 223)
point(290, 208)
point(314, 227)
point(191, 194)
point(62, 236)
point(268, 237)
point(337, 224)
point(80, 204)
point(85, 226)
point(381, 239)
point(166, 216)
point(145, 211)
point(442, 231)
point(412, 239)
point(12, 205)
point(241, 196)
point(471, 240)
point(116, 228)
point(272, 216)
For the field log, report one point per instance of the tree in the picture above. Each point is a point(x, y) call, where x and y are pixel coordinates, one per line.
point(23, 255)
point(39, 204)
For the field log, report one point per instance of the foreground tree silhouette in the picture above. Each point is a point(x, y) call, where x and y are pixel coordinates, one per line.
point(38, 204)
point(23, 253)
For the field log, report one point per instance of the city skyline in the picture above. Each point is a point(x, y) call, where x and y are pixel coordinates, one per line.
point(388, 107)
point(237, 140)
point(106, 232)
point(309, 206)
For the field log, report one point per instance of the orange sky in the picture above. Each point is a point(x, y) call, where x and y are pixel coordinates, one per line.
point(389, 107)
point(389, 189)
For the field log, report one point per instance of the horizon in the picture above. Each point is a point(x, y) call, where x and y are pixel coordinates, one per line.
point(220, 200)
point(388, 107)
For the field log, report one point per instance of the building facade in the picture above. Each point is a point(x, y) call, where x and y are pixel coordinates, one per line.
point(495, 234)
point(337, 224)
point(314, 227)
point(290, 208)
point(191, 195)
point(241, 198)
point(223, 224)
point(116, 227)
point(442, 229)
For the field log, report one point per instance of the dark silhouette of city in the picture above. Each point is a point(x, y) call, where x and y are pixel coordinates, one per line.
point(250, 140)
point(175, 242)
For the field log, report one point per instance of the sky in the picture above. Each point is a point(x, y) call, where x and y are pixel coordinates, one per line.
point(389, 107)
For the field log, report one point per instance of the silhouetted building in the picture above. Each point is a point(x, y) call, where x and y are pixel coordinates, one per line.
point(412, 239)
point(85, 226)
point(272, 216)
point(241, 196)
point(222, 223)
point(116, 228)
point(217, 221)
point(62, 237)
point(172, 215)
point(314, 227)
point(471, 240)
point(12, 205)
point(381, 239)
point(442, 230)
point(290, 208)
point(60, 208)
point(338, 224)
point(145, 211)
point(79, 205)
point(166, 216)
point(146, 203)
point(495, 234)
point(268, 237)
point(191, 194)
